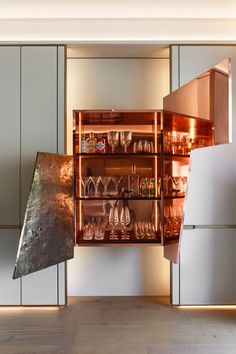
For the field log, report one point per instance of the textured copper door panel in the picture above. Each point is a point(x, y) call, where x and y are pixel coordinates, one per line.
point(47, 236)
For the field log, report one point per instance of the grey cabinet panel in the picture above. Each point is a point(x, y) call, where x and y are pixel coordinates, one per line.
point(62, 283)
point(61, 100)
point(9, 289)
point(38, 110)
point(42, 129)
point(40, 288)
point(208, 267)
point(9, 135)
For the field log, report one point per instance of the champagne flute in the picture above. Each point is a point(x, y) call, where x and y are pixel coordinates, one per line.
point(113, 221)
point(125, 221)
point(113, 139)
point(125, 139)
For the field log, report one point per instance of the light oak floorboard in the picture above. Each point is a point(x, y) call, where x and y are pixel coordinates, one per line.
point(117, 325)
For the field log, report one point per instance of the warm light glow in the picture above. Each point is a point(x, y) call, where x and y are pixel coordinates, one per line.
point(156, 186)
point(206, 307)
point(80, 174)
point(28, 308)
point(192, 129)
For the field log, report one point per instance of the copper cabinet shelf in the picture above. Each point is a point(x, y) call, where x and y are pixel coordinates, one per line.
point(169, 155)
point(118, 198)
point(131, 198)
point(118, 154)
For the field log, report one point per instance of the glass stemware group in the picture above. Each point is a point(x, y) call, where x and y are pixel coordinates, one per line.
point(113, 139)
point(101, 185)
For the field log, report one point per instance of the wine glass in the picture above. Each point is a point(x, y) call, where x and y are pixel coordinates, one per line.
point(125, 221)
point(113, 139)
point(84, 181)
point(125, 139)
point(99, 186)
point(105, 181)
point(113, 221)
point(117, 181)
point(91, 188)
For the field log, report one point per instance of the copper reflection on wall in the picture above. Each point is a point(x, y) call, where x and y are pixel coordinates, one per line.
point(47, 236)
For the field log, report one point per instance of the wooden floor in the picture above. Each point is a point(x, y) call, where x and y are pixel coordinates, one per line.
point(118, 325)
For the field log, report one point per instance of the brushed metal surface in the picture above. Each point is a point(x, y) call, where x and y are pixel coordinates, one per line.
point(48, 230)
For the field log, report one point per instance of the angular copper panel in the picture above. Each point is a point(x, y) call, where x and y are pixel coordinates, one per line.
point(47, 236)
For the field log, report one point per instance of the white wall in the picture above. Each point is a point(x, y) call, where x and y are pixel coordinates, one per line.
point(120, 84)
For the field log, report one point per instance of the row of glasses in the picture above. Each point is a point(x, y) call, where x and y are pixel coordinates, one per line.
point(182, 143)
point(93, 230)
point(113, 138)
point(115, 219)
point(143, 146)
point(172, 220)
point(101, 185)
point(144, 229)
point(175, 185)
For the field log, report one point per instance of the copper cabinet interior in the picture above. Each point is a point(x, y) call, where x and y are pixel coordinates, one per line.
point(172, 137)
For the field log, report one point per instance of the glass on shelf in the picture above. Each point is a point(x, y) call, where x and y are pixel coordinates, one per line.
point(113, 139)
point(125, 139)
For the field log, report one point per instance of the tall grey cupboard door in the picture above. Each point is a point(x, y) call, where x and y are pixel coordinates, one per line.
point(208, 267)
point(211, 198)
point(9, 136)
point(39, 132)
point(10, 290)
point(9, 172)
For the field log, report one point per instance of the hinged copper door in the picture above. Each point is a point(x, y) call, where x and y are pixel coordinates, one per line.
point(47, 236)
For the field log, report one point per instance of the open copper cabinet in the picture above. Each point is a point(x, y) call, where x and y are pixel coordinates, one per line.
point(131, 172)
point(132, 191)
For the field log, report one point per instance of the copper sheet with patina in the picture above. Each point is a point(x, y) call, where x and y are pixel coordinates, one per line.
point(47, 236)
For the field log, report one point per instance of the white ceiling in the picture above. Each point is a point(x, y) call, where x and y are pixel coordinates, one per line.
point(11, 9)
point(117, 21)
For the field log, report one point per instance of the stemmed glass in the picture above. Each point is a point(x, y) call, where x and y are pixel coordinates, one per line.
point(113, 221)
point(117, 180)
point(113, 139)
point(98, 185)
point(125, 221)
point(84, 181)
point(125, 139)
point(91, 188)
point(105, 181)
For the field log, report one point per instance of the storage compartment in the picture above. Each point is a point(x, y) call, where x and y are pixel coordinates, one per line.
point(131, 173)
